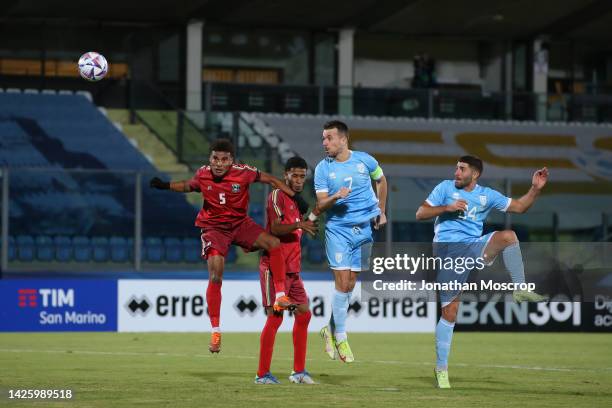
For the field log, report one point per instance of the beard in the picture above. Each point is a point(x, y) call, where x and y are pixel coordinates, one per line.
point(461, 183)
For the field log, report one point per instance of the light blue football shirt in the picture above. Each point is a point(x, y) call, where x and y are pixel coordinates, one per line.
point(361, 205)
point(456, 227)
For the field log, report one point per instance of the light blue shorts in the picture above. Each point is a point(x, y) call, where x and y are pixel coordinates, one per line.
point(349, 246)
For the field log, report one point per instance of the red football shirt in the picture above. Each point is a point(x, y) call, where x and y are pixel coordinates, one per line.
point(284, 208)
point(226, 201)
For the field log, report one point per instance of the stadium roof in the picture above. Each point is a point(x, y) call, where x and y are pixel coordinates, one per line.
point(485, 19)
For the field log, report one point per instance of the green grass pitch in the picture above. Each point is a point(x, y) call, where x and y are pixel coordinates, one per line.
point(159, 370)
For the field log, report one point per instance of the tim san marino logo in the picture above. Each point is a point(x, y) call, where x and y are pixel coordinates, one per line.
point(361, 168)
point(483, 200)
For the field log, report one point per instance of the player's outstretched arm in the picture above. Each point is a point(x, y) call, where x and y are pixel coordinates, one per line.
point(181, 186)
point(426, 211)
point(278, 183)
point(279, 229)
point(538, 181)
point(267, 178)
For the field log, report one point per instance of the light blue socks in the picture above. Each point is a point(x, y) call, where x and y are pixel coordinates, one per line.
point(444, 337)
point(513, 259)
point(340, 306)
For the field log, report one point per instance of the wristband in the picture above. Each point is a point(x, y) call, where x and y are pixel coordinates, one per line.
point(312, 217)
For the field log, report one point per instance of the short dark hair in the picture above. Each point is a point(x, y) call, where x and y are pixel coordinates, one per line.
point(296, 162)
point(222, 145)
point(474, 162)
point(336, 124)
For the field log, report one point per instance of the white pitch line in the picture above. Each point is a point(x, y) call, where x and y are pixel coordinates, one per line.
point(239, 357)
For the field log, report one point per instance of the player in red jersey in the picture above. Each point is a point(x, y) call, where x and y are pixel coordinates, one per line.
point(224, 221)
point(285, 221)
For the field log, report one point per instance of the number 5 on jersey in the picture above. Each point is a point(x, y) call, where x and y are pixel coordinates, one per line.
point(221, 198)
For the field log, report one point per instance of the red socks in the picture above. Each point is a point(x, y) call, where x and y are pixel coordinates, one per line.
point(266, 343)
point(213, 300)
point(300, 339)
point(277, 265)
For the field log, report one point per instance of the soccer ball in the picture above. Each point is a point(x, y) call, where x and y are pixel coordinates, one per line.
point(93, 66)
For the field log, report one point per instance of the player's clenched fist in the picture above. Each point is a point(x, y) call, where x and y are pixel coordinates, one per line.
point(540, 177)
point(343, 192)
point(459, 205)
point(157, 183)
point(308, 226)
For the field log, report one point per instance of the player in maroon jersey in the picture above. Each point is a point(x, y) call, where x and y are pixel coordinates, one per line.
point(285, 221)
point(224, 221)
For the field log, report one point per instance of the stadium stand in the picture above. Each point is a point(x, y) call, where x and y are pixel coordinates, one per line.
point(81, 206)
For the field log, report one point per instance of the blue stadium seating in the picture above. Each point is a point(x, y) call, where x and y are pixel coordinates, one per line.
point(45, 250)
point(101, 249)
point(153, 249)
point(315, 252)
point(173, 250)
point(82, 249)
point(63, 248)
point(232, 255)
point(256, 212)
point(25, 248)
point(192, 250)
point(59, 132)
point(119, 249)
point(12, 249)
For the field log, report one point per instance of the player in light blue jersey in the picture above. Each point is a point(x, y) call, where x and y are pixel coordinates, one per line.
point(460, 207)
point(343, 183)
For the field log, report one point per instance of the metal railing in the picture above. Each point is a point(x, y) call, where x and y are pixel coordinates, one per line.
point(398, 102)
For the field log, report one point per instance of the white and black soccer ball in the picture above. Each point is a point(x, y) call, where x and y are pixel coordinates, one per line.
point(93, 66)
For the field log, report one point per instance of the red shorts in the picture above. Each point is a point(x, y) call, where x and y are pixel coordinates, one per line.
point(244, 234)
point(294, 288)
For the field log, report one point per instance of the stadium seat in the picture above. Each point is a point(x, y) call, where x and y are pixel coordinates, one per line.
point(173, 249)
point(192, 249)
point(256, 212)
point(45, 249)
point(232, 255)
point(101, 249)
point(82, 249)
point(63, 248)
point(315, 252)
point(85, 94)
point(12, 250)
point(153, 249)
point(25, 248)
point(119, 249)
point(46, 130)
